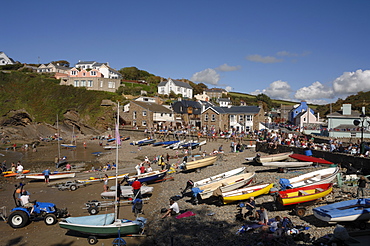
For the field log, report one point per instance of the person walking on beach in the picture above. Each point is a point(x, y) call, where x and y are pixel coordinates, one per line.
point(56, 160)
point(105, 186)
point(361, 186)
point(46, 173)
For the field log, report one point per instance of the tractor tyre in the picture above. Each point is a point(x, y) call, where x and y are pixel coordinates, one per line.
point(18, 219)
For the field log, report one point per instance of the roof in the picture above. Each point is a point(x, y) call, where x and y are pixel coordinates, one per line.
point(188, 104)
point(354, 114)
point(176, 82)
point(153, 107)
point(237, 110)
point(215, 90)
point(85, 62)
point(224, 99)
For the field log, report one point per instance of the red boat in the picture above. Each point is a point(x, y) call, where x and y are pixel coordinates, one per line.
point(310, 158)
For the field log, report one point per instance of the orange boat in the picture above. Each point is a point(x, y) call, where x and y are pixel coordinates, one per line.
point(11, 174)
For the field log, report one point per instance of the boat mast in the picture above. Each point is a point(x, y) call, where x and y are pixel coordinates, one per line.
point(117, 143)
point(58, 138)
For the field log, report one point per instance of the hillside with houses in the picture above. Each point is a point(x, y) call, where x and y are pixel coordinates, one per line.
point(153, 102)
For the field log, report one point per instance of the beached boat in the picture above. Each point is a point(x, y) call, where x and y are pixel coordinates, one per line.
point(321, 176)
point(104, 224)
point(220, 176)
point(147, 177)
point(304, 194)
point(101, 178)
point(126, 191)
point(199, 163)
point(68, 145)
point(287, 164)
point(54, 175)
point(101, 225)
point(165, 143)
point(269, 158)
point(145, 141)
point(244, 193)
point(300, 157)
point(351, 210)
point(171, 146)
point(226, 184)
point(12, 174)
point(109, 147)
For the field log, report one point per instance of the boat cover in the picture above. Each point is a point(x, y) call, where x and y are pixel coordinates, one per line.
point(285, 184)
point(94, 220)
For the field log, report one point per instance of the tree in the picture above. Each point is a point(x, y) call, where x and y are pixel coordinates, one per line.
point(62, 63)
point(129, 73)
point(266, 100)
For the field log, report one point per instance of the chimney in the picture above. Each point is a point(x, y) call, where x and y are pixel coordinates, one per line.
point(346, 108)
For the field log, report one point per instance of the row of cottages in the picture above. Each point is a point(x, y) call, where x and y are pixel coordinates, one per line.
point(93, 76)
point(341, 123)
point(198, 114)
point(5, 60)
point(177, 86)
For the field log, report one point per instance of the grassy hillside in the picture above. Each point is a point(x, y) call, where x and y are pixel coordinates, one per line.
point(43, 98)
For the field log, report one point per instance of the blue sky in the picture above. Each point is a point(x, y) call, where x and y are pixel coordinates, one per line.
point(296, 50)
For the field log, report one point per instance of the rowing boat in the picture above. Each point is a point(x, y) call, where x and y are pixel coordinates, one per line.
point(126, 191)
point(200, 163)
point(287, 164)
point(321, 176)
point(227, 184)
point(304, 194)
point(55, 175)
point(94, 179)
point(245, 193)
point(12, 174)
point(310, 158)
point(146, 178)
point(269, 158)
point(220, 176)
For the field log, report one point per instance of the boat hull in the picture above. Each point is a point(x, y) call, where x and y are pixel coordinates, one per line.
point(287, 164)
point(310, 158)
point(105, 230)
point(304, 194)
point(269, 158)
point(11, 174)
point(93, 179)
point(246, 193)
point(200, 163)
point(148, 177)
point(51, 176)
point(220, 176)
point(345, 211)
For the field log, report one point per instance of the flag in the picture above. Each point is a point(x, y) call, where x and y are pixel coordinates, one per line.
point(118, 137)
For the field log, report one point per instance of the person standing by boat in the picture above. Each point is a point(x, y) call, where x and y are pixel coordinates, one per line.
point(142, 168)
point(136, 188)
point(19, 167)
point(361, 186)
point(46, 173)
point(137, 168)
point(105, 186)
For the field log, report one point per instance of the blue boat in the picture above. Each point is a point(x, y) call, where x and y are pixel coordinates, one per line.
point(165, 143)
point(351, 210)
point(148, 177)
point(111, 139)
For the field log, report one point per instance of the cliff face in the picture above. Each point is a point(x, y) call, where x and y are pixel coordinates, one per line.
point(19, 124)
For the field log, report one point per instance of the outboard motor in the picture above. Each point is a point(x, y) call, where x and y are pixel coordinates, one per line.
point(189, 185)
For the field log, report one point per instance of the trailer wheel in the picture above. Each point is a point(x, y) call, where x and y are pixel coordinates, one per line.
point(93, 209)
point(73, 187)
point(18, 219)
point(50, 219)
point(92, 240)
point(300, 212)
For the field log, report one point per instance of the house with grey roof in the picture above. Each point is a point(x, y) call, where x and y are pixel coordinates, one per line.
point(341, 123)
point(177, 86)
point(147, 115)
point(240, 118)
point(187, 112)
point(224, 102)
point(5, 60)
point(103, 68)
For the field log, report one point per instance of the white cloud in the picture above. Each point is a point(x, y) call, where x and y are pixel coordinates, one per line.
point(314, 92)
point(256, 92)
point(352, 82)
point(286, 53)
point(278, 89)
point(209, 76)
point(263, 59)
point(228, 88)
point(227, 68)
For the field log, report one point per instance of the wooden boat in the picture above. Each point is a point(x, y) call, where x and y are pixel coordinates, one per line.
point(351, 210)
point(12, 174)
point(55, 175)
point(126, 191)
point(147, 178)
point(304, 194)
point(287, 164)
point(101, 225)
point(245, 193)
point(321, 176)
point(200, 163)
point(227, 184)
point(269, 158)
point(310, 158)
point(101, 178)
point(220, 176)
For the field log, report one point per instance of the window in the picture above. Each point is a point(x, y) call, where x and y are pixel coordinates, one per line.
point(178, 89)
point(144, 113)
point(248, 118)
point(93, 73)
point(134, 115)
point(213, 117)
point(73, 72)
point(232, 118)
point(134, 122)
point(111, 85)
point(89, 83)
point(206, 117)
point(241, 117)
point(143, 123)
point(101, 83)
point(83, 83)
point(75, 83)
point(83, 74)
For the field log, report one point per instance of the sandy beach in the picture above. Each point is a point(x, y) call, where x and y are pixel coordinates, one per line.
point(212, 224)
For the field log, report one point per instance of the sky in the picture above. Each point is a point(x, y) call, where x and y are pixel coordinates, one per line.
point(314, 50)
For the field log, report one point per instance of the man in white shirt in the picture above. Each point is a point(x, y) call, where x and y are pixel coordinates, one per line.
point(25, 200)
point(173, 210)
point(19, 168)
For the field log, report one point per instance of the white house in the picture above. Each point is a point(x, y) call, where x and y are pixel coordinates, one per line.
point(224, 102)
point(103, 68)
point(177, 86)
point(202, 97)
point(5, 60)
